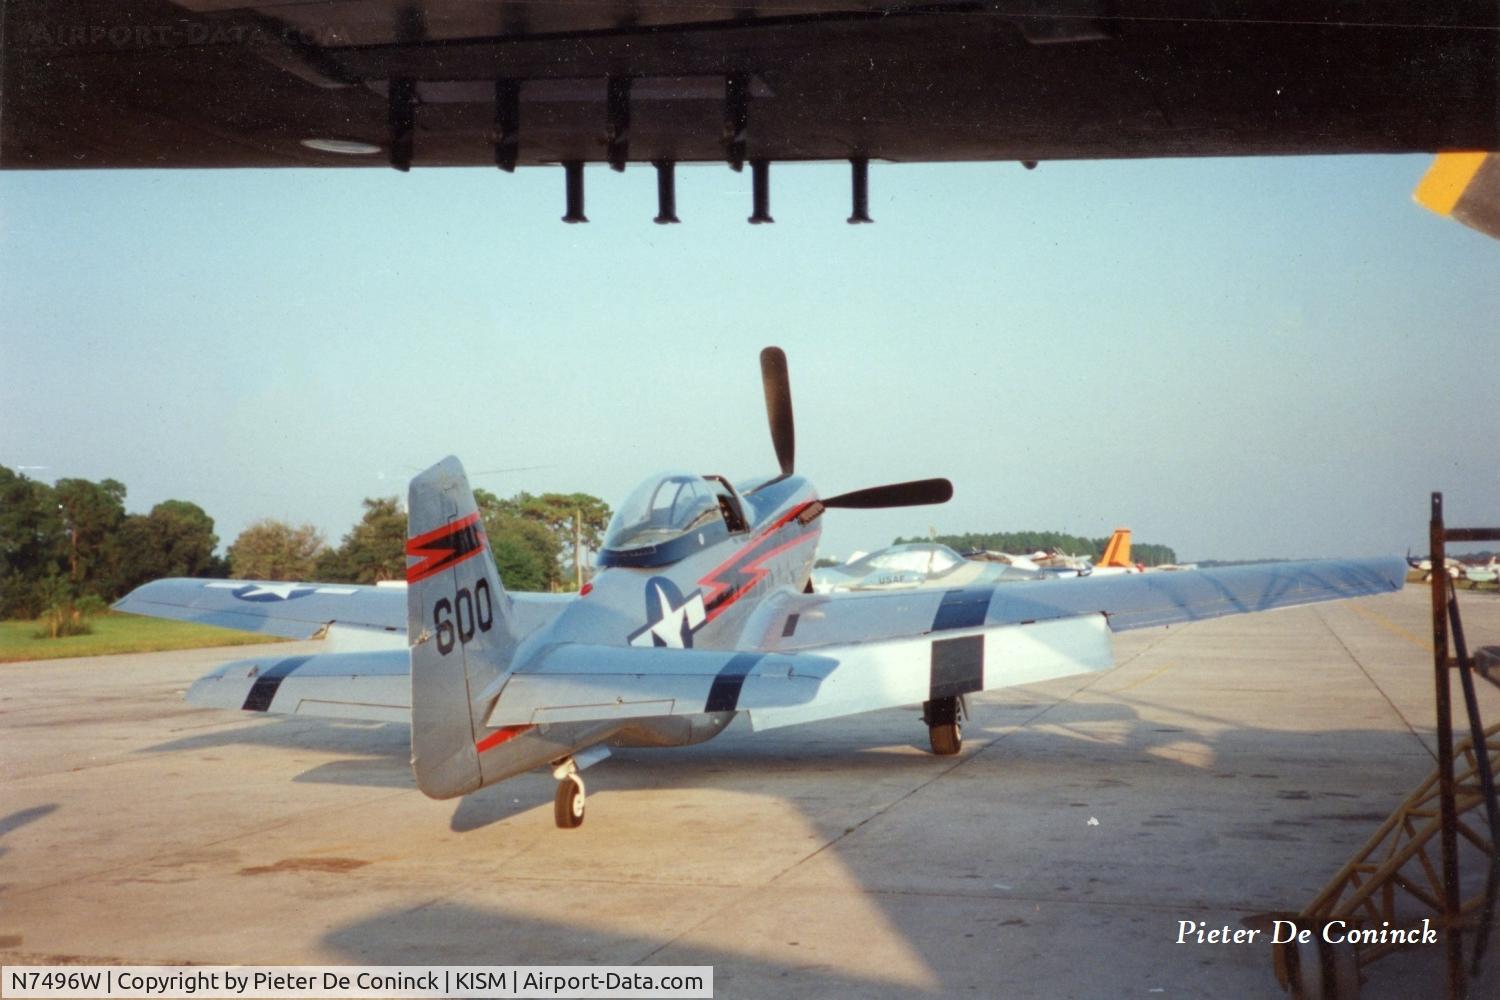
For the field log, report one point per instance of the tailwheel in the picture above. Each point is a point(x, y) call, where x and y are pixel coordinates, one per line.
point(567, 808)
point(943, 729)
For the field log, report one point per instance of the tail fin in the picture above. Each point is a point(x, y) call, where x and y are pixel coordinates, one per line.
point(458, 625)
point(1117, 552)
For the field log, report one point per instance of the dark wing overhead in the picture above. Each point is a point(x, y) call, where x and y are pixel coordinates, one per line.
point(217, 83)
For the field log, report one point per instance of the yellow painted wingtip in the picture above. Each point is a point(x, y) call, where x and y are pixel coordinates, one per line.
point(1446, 181)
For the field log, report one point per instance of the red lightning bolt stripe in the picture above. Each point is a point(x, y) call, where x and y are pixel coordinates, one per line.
point(499, 736)
point(722, 587)
point(445, 547)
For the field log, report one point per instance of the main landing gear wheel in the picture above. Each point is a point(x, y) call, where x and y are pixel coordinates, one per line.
point(947, 739)
point(943, 730)
point(567, 808)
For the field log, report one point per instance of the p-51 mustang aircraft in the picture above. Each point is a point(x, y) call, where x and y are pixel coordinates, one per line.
point(700, 611)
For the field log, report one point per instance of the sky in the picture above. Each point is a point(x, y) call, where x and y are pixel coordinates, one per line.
point(1239, 358)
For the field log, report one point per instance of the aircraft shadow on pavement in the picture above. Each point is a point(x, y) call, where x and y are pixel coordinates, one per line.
point(21, 817)
point(886, 746)
point(1258, 824)
point(426, 936)
point(379, 753)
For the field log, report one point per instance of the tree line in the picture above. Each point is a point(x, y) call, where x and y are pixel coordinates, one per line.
point(74, 541)
point(1019, 542)
point(531, 536)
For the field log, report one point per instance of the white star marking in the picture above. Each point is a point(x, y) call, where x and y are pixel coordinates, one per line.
point(281, 590)
point(669, 627)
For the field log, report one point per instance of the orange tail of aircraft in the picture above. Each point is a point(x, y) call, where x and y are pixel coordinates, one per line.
point(1117, 552)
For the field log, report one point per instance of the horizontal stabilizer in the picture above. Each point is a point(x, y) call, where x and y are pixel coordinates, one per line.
point(373, 685)
point(580, 683)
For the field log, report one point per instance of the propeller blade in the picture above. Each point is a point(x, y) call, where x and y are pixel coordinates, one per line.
point(779, 406)
point(912, 494)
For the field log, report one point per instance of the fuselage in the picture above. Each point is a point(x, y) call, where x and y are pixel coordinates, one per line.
point(691, 596)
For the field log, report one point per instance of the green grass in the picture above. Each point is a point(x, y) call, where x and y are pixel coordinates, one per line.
point(116, 633)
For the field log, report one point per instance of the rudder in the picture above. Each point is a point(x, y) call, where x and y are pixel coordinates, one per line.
point(458, 626)
point(1117, 551)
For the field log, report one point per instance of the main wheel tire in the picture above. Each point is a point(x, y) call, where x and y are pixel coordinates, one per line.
point(947, 739)
point(567, 808)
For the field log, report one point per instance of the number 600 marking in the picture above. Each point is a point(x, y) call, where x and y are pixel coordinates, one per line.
point(473, 611)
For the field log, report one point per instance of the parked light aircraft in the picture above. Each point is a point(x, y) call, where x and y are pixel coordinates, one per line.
point(915, 564)
point(699, 612)
point(1424, 566)
point(1116, 557)
point(932, 564)
point(1055, 562)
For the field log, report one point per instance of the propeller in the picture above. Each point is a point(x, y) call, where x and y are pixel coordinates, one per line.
point(773, 376)
point(779, 406)
point(912, 494)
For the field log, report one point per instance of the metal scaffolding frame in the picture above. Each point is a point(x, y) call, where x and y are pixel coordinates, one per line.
point(1393, 883)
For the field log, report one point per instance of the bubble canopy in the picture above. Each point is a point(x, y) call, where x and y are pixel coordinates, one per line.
point(667, 517)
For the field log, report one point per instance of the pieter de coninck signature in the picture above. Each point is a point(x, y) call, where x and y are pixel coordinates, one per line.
point(1287, 931)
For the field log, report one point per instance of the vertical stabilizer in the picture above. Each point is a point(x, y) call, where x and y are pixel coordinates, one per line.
point(1117, 552)
point(459, 627)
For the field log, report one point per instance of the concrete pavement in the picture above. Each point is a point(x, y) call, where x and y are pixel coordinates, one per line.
point(1231, 766)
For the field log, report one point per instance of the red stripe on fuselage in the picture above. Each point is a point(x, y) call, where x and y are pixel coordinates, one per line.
point(500, 736)
point(445, 547)
point(730, 581)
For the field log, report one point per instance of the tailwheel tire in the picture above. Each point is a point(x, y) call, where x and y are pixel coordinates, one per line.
point(567, 808)
point(947, 739)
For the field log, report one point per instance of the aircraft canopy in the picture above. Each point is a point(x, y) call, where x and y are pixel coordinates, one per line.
point(667, 517)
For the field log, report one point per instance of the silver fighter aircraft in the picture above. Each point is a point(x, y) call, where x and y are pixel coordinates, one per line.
point(700, 611)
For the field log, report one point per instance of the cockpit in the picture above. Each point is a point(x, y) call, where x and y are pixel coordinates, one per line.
point(668, 517)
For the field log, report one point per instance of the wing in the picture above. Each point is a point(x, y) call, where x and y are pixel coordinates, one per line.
point(579, 683)
point(904, 647)
point(1137, 600)
point(369, 685)
point(823, 656)
point(290, 610)
point(303, 610)
point(140, 83)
